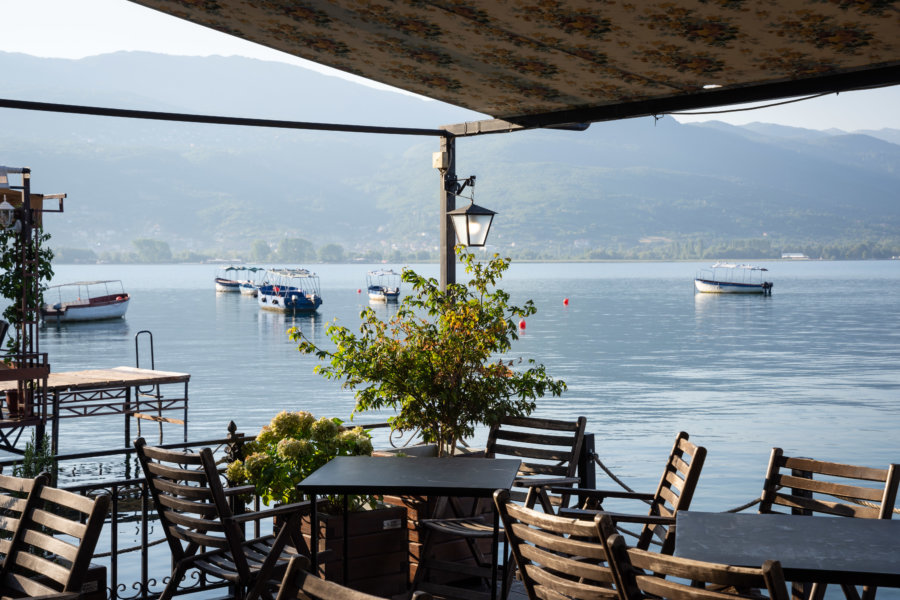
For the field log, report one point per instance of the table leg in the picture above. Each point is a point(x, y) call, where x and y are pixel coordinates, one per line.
point(495, 550)
point(314, 535)
point(346, 541)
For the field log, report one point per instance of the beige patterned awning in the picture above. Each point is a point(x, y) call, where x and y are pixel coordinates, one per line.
point(545, 62)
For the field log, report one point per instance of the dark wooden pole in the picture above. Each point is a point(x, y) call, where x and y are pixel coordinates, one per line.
point(448, 203)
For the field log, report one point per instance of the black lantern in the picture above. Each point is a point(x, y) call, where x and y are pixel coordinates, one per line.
point(473, 222)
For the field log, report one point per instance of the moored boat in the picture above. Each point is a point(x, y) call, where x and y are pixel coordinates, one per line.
point(729, 278)
point(383, 285)
point(85, 301)
point(290, 291)
point(229, 279)
point(250, 287)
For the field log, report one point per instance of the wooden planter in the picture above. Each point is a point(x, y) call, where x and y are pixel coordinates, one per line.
point(18, 406)
point(417, 508)
point(377, 548)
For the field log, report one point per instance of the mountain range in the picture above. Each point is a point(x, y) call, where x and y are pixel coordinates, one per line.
point(617, 189)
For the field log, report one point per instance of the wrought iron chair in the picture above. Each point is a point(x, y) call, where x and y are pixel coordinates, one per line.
point(549, 450)
point(644, 575)
point(674, 492)
point(300, 584)
point(202, 531)
point(53, 542)
point(558, 557)
point(807, 486)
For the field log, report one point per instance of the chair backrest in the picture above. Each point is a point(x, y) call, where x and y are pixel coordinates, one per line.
point(548, 448)
point(300, 584)
point(191, 502)
point(15, 496)
point(641, 574)
point(675, 491)
point(809, 486)
point(557, 556)
point(52, 547)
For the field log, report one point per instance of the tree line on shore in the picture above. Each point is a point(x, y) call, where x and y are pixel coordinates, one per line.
point(299, 251)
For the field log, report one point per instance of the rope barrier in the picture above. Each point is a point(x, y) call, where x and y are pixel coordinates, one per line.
point(132, 549)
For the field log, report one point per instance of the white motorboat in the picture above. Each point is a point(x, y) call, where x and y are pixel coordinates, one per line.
point(730, 278)
point(85, 301)
point(290, 291)
point(383, 285)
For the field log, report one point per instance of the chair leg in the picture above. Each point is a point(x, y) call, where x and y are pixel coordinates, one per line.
point(177, 574)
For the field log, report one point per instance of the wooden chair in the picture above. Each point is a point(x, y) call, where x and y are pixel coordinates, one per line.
point(300, 584)
point(202, 531)
point(15, 493)
point(558, 557)
point(549, 450)
point(53, 544)
point(674, 493)
point(807, 486)
point(642, 575)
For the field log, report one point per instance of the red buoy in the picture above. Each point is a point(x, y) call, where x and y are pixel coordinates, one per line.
point(358, 291)
point(522, 324)
point(566, 302)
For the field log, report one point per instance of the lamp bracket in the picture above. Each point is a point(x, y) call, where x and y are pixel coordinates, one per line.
point(456, 186)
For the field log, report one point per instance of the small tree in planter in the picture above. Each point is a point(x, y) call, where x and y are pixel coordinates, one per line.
point(439, 361)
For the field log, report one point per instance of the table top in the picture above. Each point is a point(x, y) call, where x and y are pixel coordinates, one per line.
point(810, 548)
point(477, 477)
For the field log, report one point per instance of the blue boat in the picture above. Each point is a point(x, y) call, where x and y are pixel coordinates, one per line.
point(290, 291)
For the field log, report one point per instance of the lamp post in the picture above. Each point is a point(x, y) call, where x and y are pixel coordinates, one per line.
point(470, 224)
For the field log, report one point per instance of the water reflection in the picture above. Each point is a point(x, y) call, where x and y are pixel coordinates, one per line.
point(82, 330)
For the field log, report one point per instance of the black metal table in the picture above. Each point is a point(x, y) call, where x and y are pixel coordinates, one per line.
point(825, 549)
point(459, 477)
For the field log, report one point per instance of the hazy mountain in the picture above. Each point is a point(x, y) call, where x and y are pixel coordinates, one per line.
point(218, 188)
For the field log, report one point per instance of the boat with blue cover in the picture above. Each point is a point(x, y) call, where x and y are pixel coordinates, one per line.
point(290, 291)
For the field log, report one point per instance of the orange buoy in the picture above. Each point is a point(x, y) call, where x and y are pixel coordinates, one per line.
point(566, 302)
point(522, 324)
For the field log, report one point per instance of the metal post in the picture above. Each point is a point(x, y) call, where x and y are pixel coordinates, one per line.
point(586, 471)
point(448, 203)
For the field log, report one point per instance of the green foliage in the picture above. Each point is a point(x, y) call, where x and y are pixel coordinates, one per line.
point(331, 253)
point(296, 250)
point(152, 251)
point(37, 458)
point(260, 251)
point(12, 281)
point(290, 448)
point(75, 256)
point(438, 362)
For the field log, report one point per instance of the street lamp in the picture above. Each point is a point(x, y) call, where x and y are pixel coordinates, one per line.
point(473, 222)
point(8, 216)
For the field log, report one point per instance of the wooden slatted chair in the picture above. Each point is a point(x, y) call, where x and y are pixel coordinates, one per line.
point(674, 493)
point(807, 486)
point(202, 531)
point(15, 493)
point(643, 575)
point(52, 546)
point(558, 557)
point(549, 450)
point(300, 584)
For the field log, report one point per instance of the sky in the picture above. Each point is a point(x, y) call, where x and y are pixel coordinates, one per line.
point(80, 28)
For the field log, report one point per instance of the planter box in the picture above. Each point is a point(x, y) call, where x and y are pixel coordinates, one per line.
point(444, 547)
point(377, 546)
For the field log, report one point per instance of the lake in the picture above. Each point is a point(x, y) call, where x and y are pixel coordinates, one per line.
point(814, 368)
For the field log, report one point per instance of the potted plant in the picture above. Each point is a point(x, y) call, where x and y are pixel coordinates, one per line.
point(439, 362)
point(291, 447)
point(23, 288)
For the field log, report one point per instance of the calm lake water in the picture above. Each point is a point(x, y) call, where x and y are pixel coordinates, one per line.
point(814, 369)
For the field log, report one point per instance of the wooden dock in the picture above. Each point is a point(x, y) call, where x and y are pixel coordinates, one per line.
point(143, 394)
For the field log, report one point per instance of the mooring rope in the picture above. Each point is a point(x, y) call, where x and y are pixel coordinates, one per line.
point(132, 549)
